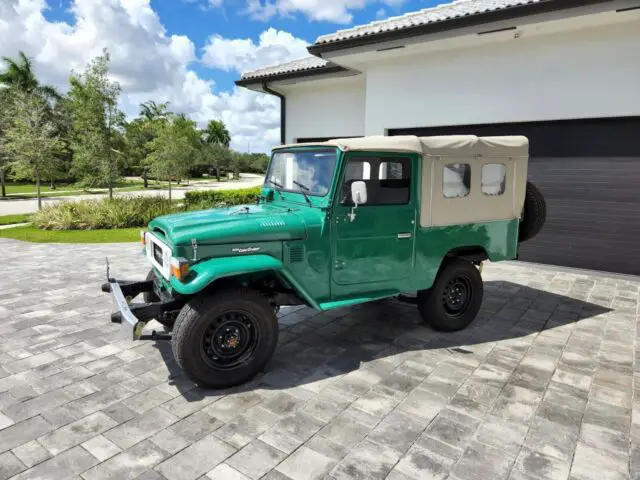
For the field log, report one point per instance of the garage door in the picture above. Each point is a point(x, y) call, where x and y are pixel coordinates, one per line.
point(589, 173)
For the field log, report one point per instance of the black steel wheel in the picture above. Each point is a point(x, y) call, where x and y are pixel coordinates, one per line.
point(230, 340)
point(455, 298)
point(224, 339)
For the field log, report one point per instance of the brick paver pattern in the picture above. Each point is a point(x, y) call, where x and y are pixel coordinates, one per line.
point(543, 385)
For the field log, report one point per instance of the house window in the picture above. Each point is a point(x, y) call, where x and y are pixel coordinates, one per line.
point(456, 181)
point(388, 180)
point(494, 179)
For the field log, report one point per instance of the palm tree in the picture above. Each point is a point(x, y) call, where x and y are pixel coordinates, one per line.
point(217, 133)
point(19, 73)
point(152, 110)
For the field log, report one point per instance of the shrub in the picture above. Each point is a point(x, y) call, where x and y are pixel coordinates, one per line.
point(122, 212)
point(203, 199)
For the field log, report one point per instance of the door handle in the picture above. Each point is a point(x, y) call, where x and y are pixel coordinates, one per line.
point(404, 235)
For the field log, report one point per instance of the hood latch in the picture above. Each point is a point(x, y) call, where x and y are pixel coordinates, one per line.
point(194, 245)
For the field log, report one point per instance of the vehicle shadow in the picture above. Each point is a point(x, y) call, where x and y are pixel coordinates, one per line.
point(338, 342)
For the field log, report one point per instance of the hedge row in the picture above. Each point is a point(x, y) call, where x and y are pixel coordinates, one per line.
point(204, 199)
point(132, 211)
point(122, 212)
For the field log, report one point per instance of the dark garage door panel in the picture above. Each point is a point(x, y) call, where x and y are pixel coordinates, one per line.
point(593, 198)
point(593, 213)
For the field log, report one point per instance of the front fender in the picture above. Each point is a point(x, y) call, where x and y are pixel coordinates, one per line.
point(207, 271)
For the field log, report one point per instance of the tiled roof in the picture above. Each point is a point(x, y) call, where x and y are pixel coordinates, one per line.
point(440, 13)
point(299, 65)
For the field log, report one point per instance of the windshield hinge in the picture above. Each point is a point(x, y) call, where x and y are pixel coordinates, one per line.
point(194, 245)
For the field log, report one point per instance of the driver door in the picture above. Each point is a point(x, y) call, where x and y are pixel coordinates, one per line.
point(372, 250)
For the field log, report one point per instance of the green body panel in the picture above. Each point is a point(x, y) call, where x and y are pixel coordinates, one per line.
point(315, 249)
point(230, 225)
point(499, 239)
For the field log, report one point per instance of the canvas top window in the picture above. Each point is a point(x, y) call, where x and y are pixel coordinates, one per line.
point(494, 179)
point(309, 171)
point(456, 180)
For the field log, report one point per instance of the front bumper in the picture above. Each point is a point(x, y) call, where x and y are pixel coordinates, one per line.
point(133, 317)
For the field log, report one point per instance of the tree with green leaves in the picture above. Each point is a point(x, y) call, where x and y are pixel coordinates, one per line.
point(142, 130)
point(217, 133)
point(18, 76)
point(32, 137)
point(97, 124)
point(173, 150)
point(215, 157)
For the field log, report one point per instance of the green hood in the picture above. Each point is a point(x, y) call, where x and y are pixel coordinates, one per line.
point(237, 224)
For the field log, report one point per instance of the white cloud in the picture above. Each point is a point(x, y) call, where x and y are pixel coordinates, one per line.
point(243, 54)
point(148, 62)
point(380, 14)
point(336, 11)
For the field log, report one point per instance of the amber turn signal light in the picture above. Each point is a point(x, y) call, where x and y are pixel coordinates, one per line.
point(179, 268)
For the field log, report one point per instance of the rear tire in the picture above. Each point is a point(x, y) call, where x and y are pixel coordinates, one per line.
point(455, 298)
point(534, 213)
point(225, 339)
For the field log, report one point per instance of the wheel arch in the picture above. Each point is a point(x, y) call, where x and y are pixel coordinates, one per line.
point(472, 253)
point(217, 273)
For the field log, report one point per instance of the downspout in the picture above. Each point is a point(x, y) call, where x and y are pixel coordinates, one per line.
point(283, 111)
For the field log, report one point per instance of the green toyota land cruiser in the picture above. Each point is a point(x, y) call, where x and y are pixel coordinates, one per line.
point(337, 223)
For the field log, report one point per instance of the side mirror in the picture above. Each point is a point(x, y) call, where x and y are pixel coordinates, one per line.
point(358, 196)
point(359, 192)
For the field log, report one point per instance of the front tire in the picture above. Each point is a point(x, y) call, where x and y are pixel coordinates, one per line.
point(455, 298)
point(225, 339)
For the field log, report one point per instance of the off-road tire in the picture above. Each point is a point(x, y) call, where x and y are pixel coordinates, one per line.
point(534, 213)
point(435, 306)
point(150, 297)
point(197, 317)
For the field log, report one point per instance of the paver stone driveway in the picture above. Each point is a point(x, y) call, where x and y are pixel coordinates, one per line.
point(544, 385)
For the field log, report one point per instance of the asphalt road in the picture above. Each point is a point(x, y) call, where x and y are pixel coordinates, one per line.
point(19, 206)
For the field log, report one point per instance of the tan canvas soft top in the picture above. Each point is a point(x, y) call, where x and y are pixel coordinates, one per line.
point(477, 203)
point(445, 145)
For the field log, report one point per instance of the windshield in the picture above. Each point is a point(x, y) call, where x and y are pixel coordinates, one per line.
point(308, 171)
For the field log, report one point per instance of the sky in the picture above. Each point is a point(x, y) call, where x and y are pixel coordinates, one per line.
point(185, 52)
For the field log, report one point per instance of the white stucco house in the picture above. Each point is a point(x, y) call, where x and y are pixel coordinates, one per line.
point(565, 73)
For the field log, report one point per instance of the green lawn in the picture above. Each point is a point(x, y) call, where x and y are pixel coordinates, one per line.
point(34, 234)
point(11, 219)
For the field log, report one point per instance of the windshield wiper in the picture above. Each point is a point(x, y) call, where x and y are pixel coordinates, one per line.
point(303, 188)
point(273, 182)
